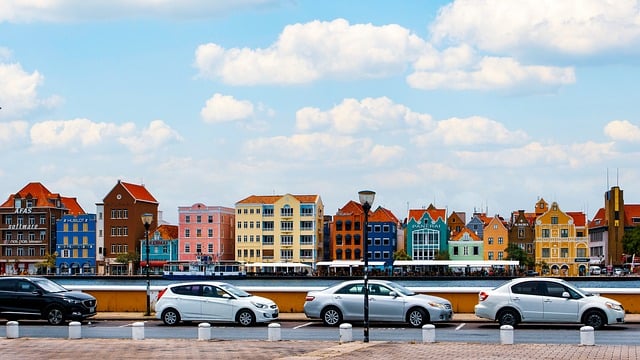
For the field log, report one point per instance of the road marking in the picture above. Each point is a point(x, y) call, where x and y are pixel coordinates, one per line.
point(303, 325)
point(460, 326)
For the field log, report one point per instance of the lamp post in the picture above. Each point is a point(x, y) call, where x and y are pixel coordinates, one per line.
point(366, 199)
point(147, 219)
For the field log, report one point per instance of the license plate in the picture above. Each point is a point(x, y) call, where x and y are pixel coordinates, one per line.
point(92, 309)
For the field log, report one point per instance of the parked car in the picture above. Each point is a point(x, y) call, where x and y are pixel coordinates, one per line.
point(531, 273)
point(41, 298)
point(388, 301)
point(213, 301)
point(595, 270)
point(547, 300)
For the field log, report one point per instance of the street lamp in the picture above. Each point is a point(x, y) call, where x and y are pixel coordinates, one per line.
point(366, 199)
point(147, 219)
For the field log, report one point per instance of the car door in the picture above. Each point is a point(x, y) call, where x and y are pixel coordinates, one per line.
point(28, 299)
point(7, 295)
point(560, 303)
point(528, 298)
point(383, 306)
point(217, 304)
point(188, 300)
point(350, 299)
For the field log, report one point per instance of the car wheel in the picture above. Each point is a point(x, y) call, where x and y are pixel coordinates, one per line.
point(331, 316)
point(170, 317)
point(417, 317)
point(245, 317)
point(508, 317)
point(594, 318)
point(55, 316)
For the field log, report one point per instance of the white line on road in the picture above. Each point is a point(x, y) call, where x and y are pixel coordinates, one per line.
point(303, 325)
point(460, 326)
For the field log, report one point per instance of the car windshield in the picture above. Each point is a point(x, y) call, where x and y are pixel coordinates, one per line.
point(49, 286)
point(401, 289)
point(235, 291)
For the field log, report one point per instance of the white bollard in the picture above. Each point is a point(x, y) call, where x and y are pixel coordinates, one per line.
point(75, 330)
point(506, 335)
point(428, 333)
point(346, 333)
point(137, 330)
point(204, 331)
point(13, 330)
point(587, 336)
point(274, 332)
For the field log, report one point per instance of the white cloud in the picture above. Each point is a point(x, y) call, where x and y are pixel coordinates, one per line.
point(18, 90)
point(306, 52)
point(12, 131)
point(470, 131)
point(74, 133)
point(368, 115)
point(584, 27)
point(223, 108)
point(73, 10)
point(153, 137)
point(622, 130)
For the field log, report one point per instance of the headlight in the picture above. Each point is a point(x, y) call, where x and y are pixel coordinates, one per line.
point(73, 301)
point(613, 306)
point(437, 305)
point(259, 305)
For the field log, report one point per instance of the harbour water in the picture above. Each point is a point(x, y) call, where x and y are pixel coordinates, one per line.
point(604, 282)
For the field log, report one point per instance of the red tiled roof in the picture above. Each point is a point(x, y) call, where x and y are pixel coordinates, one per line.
point(417, 214)
point(579, 218)
point(44, 198)
point(383, 215)
point(73, 206)
point(168, 232)
point(139, 192)
point(465, 230)
point(631, 211)
point(271, 199)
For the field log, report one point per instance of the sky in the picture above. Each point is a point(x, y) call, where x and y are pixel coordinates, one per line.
point(469, 105)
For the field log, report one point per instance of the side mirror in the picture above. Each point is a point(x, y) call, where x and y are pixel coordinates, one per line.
point(393, 293)
point(566, 295)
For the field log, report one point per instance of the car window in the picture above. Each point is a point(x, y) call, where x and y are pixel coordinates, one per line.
point(529, 288)
point(555, 290)
point(8, 285)
point(353, 289)
point(189, 290)
point(212, 291)
point(376, 289)
point(25, 286)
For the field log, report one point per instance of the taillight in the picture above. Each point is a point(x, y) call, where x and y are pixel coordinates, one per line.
point(161, 293)
point(483, 296)
point(309, 298)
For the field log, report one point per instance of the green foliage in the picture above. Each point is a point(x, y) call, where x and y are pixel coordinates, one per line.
point(48, 263)
point(514, 252)
point(631, 241)
point(128, 257)
point(401, 255)
point(443, 255)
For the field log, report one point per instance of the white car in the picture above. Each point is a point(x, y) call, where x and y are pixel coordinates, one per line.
point(388, 301)
point(547, 300)
point(212, 301)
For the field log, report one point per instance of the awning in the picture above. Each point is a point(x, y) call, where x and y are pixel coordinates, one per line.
point(153, 263)
point(277, 264)
point(348, 263)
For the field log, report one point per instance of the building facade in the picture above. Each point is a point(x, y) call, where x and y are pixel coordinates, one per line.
point(382, 237)
point(28, 228)
point(466, 245)
point(76, 245)
point(427, 233)
point(496, 239)
point(206, 233)
point(163, 248)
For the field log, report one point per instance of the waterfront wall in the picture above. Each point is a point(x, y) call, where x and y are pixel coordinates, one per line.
point(291, 299)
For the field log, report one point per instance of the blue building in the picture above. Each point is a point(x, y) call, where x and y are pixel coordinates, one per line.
point(382, 235)
point(163, 248)
point(76, 245)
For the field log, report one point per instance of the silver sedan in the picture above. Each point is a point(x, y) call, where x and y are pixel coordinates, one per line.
point(388, 301)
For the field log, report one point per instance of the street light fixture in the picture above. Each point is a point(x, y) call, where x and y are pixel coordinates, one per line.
point(147, 219)
point(366, 200)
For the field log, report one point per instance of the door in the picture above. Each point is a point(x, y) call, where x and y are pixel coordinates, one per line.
point(560, 304)
point(188, 299)
point(528, 297)
point(350, 299)
point(383, 306)
point(28, 299)
point(217, 304)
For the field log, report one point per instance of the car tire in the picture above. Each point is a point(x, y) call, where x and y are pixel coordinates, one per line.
point(55, 316)
point(417, 317)
point(170, 317)
point(595, 318)
point(331, 316)
point(245, 317)
point(508, 317)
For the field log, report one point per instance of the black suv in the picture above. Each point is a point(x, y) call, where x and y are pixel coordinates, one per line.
point(41, 298)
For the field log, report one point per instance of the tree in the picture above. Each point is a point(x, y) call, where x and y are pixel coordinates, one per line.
point(443, 255)
point(516, 253)
point(48, 263)
point(401, 255)
point(631, 241)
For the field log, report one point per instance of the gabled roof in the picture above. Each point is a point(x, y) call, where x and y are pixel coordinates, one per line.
point(168, 232)
point(383, 215)
point(579, 218)
point(138, 192)
point(272, 199)
point(599, 219)
point(631, 211)
point(350, 208)
point(417, 214)
point(44, 198)
point(465, 230)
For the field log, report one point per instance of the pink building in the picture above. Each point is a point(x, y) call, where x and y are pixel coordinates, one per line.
point(206, 233)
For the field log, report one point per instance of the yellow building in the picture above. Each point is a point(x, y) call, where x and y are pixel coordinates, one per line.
point(561, 243)
point(279, 233)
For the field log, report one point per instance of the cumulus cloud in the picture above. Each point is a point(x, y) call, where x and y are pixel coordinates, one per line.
point(470, 131)
point(224, 108)
point(569, 27)
point(307, 52)
point(18, 89)
point(622, 130)
point(72, 10)
point(153, 137)
point(369, 114)
point(12, 131)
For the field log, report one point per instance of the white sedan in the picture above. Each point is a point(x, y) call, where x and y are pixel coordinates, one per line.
point(214, 302)
point(388, 301)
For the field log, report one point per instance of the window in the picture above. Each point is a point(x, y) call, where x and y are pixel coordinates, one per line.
point(198, 219)
point(7, 219)
point(564, 233)
point(520, 233)
point(476, 250)
point(306, 240)
point(545, 252)
point(210, 219)
point(554, 220)
point(286, 211)
point(490, 255)
point(199, 248)
point(210, 233)
point(286, 239)
point(306, 225)
point(500, 240)
point(564, 252)
point(198, 232)
point(267, 225)
point(267, 210)
point(490, 241)
point(581, 252)
point(210, 248)
point(545, 233)
point(187, 248)
point(455, 251)
point(187, 233)
point(267, 240)
point(286, 225)
point(500, 255)
point(306, 210)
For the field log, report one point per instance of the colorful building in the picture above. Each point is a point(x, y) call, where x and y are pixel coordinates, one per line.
point(466, 245)
point(76, 245)
point(427, 233)
point(496, 239)
point(206, 233)
point(163, 248)
point(382, 236)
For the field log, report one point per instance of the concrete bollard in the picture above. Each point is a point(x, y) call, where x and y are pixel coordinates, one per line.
point(204, 331)
point(13, 330)
point(587, 336)
point(274, 332)
point(75, 330)
point(428, 333)
point(137, 330)
point(346, 333)
point(506, 335)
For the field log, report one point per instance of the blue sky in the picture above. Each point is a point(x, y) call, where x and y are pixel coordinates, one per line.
point(469, 105)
